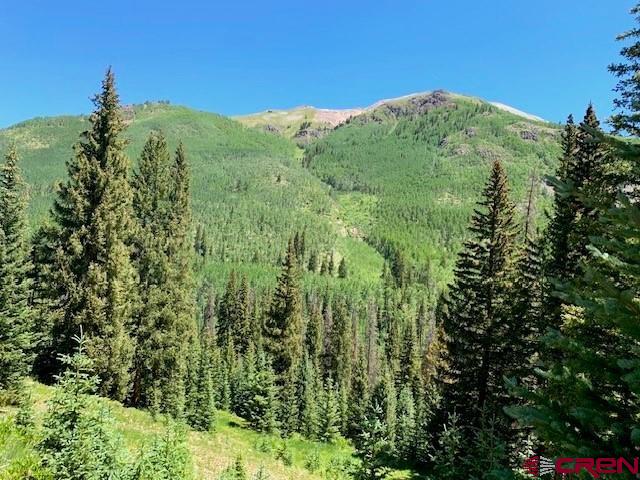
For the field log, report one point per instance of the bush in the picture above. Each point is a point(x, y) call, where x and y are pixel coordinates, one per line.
point(79, 440)
point(312, 461)
point(284, 453)
point(166, 459)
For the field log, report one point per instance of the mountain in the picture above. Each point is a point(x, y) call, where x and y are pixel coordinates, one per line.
point(410, 170)
point(302, 124)
point(397, 178)
point(306, 123)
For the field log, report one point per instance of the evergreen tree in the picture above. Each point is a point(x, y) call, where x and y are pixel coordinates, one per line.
point(241, 327)
point(235, 471)
point(165, 324)
point(557, 234)
point(289, 414)
point(314, 335)
point(309, 408)
point(283, 325)
point(410, 359)
point(628, 88)
point(331, 265)
point(338, 351)
point(587, 400)
point(313, 262)
point(342, 269)
point(584, 180)
point(79, 440)
point(167, 458)
point(406, 429)
point(358, 397)
point(203, 414)
point(372, 448)
point(15, 313)
point(91, 280)
point(228, 314)
point(329, 428)
point(324, 267)
point(478, 324)
point(261, 474)
point(383, 399)
point(263, 405)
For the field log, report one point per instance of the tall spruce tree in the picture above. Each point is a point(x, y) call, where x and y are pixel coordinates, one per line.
point(587, 401)
point(584, 172)
point(227, 315)
point(478, 325)
point(90, 277)
point(283, 325)
point(165, 322)
point(15, 312)
point(338, 350)
point(627, 118)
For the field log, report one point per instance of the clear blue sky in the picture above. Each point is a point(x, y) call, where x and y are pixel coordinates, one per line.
point(547, 57)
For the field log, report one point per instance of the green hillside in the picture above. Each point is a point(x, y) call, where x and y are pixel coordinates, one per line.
point(408, 172)
point(400, 176)
point(302, 124)
point(249, 190)
point(211, 452)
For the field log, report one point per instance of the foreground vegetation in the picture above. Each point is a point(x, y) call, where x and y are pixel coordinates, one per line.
point(210, 452)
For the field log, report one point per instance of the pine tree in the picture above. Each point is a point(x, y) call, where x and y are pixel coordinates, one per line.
point(342, 269)
point(79, 440)
point(203, 414)
point(373, 448)
point(384, 399)
point(289, 414)
point(587, 400)
point(406, 429)
point(557, 234)
point(314, 335)
point(584, 173)
point(263, 404)
point(235, 471)
point(309, 409)
point(358, 397)
point(313, 262)
point(15, 312)
point(165, 323)
point(410, 359)
point(329, 428)
point(324, 267)
point(167, 457)
point(91, 281)
point(478, 323)
point(283, 325)
point(241, 327)
point(628, 88)
point(261, 474)
point(228, 314)
point(338, 352)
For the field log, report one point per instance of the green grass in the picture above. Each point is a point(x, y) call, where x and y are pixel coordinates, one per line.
point(211, 452)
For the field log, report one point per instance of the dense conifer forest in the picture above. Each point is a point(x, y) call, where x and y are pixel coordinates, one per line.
point(435, 288)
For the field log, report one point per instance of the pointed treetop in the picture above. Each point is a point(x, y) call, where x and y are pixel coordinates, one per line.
point(590, 118)
point(106, 119)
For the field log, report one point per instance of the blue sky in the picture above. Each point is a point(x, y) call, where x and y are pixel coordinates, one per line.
point(547, 57)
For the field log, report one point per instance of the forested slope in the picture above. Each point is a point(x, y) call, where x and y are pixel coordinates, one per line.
point(408, 172)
